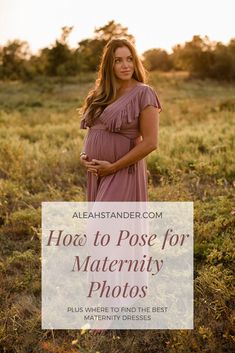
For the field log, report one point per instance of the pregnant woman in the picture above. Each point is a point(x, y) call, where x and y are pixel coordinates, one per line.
point(122, 114)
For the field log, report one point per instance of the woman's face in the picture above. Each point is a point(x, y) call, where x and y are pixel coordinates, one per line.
point(123, 64)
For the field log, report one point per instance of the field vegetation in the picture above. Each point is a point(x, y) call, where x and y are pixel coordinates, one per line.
point(40, 142)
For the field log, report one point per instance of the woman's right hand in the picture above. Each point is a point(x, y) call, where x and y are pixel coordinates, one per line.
point(83, 159)
point(88, 165)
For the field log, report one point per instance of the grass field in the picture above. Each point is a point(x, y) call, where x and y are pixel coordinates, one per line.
point(40, 142)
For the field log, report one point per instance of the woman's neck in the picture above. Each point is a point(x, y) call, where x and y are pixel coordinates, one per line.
point(125, 85)
point(122, 89)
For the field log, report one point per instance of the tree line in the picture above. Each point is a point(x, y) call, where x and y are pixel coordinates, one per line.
point(201, 57)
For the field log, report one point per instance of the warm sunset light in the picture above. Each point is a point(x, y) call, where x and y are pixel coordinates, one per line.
point(154, 23)
point(117, 176)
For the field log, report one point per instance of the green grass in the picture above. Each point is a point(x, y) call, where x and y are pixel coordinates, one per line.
point(40, 142)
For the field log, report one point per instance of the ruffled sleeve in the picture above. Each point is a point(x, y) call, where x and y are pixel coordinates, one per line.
point(117, 115)
point(149, 97)
point(127, 109)
point(83, 123)
point(114, 117)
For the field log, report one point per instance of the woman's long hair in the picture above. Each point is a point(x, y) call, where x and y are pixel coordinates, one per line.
point(105, 91)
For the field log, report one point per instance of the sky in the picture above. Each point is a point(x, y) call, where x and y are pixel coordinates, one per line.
point(153, 23)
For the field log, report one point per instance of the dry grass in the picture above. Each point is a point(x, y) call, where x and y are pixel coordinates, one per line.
point(40, 143)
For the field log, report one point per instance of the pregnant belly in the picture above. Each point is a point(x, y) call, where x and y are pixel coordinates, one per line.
point(105, 145)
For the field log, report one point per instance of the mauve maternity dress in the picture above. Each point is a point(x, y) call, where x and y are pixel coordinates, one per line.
point(114, 134)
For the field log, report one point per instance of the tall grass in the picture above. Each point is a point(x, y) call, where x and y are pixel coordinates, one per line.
point(40, 141)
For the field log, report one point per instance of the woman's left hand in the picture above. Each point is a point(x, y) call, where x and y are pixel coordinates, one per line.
point(101, 168)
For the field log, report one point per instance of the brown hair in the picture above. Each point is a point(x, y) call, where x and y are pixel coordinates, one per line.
point(104, 92)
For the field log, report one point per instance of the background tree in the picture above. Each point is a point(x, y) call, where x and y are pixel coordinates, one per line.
point(195, 56)
point(113, 30)
point(1, 68)
point(200, 57)
point(90, 50)
point(231, 50)
point(157, 59)
point(223, 66)
point(59, 56)
point(14, 58)
point(89, 53)
point(203, 58)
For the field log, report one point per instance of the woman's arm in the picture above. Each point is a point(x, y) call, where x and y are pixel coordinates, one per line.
point(149, 126)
